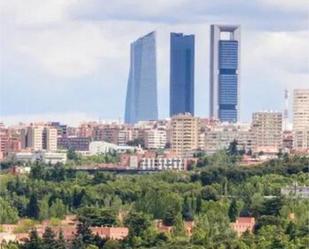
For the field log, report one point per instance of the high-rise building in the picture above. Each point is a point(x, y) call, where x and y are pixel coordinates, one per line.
point(224, 72)
point(267, 131)
point(181, 74)
point(141, 100)
point(39, 138)
point(184, 134)
point(50, 136)
point(301, 119)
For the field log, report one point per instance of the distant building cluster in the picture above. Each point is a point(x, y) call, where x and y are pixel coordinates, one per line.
point(164, 144)
point(67, 226)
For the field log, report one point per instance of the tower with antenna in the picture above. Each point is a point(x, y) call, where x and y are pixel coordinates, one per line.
point(286, 109)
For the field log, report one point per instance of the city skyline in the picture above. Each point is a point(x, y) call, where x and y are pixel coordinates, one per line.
point(70, 61)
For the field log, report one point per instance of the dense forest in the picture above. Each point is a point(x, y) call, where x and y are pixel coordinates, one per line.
point(212, 194)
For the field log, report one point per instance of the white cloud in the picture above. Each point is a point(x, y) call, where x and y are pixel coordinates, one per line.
point(297, 5)
point(73, 49)
point(35, 12)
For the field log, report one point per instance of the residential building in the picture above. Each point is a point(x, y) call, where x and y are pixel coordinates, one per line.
point(155, 138)
point(163, 163)
point(181, 74)
point(49, 137)
point(98, 147)
point(296, 191)
point(113, 233)
point(301, 119)
point(184, 134)
point(243, 224)
point(141, 99)
point(74, 143)
point(39, 137)
point(43, 156)
point(267, 131)
point(112, 133)
point(32, 137)
point(224, 72)
point(220, 136)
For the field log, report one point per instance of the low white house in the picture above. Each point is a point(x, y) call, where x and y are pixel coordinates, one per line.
point(163, 163)
point(98, 147)
point(42, 156)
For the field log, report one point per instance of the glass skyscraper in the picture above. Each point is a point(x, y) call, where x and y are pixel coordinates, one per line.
point(224, 72)
point(141, 100)
point(181, 74)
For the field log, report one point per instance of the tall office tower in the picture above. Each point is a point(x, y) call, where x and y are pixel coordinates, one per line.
point(301, 119)
point(181, 74)
point(224, 72)
point(141, 101)
point(267, 131)
point(184, 134)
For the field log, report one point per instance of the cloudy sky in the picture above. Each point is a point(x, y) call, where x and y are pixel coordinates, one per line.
point(68, 60)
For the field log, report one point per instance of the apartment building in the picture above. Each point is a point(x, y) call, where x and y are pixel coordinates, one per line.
point(267, 131)
point(39, 138)
point(220, 136)
point(184, 134)
point(301, 119)
point(155, 138)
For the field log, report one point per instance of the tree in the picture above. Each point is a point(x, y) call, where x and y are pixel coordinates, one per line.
point(198, 204)
point(34, 241)
point(8, 214)
point(210, 193)
point(97, 216)
point(233, 151)
point(44, 209)
point(61, 241)
point(57, 209)
point(179, 229)
point(187, 209)
point(233, 211)
point(137, 142)
point(49, 241)
point(112, 244)
point(33, 209)
point(137, 223)
point(72, 155)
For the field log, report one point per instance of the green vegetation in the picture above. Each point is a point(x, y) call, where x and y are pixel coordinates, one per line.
point(212, 195)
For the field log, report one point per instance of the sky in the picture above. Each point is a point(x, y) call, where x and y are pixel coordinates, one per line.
point(68, 60)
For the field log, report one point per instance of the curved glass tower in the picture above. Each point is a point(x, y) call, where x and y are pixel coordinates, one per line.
point(141, 100)
point(224, 72)
point(181, 74)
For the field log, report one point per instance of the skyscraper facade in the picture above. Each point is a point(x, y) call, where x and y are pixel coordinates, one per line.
point(224, 72)
point(141, 100)
point(181, 74)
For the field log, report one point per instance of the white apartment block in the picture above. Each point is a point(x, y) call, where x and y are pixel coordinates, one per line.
point(155, 138)
point(163, 163)
point(220, 136)
point(267, 131)
point(301, 119)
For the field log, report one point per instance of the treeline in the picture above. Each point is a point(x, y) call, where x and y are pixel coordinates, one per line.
point(212, 196)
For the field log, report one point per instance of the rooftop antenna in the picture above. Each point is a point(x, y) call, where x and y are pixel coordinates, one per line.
point(286, 109)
